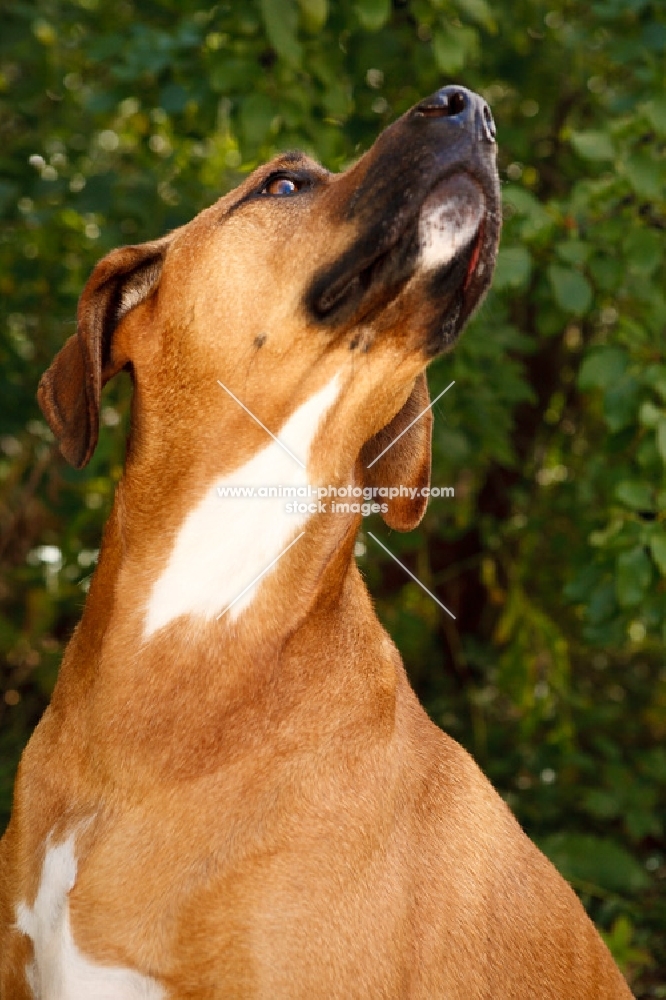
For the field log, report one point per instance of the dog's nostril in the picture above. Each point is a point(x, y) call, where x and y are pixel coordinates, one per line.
point(489, 121)
point(443, 105)
point(456, 103)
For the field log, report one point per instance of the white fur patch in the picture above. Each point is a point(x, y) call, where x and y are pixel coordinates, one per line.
point(59, 971)
point(445, 229)
point(225, 543)
point(138, 287)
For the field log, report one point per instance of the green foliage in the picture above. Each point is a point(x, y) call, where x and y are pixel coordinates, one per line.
point(122, 120)
point(591, 861)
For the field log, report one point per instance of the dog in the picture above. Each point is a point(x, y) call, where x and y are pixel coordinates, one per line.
point(234, 792)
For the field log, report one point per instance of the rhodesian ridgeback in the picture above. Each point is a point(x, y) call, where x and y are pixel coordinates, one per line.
point(234, 792)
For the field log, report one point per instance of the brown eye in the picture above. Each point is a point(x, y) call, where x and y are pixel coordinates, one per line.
point(281, 186)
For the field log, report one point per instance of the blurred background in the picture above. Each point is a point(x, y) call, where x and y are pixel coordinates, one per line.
point(120, 120)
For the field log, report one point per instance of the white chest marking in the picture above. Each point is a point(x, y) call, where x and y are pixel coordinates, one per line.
point(59, 971)
point(445, 228)
point(226, 542)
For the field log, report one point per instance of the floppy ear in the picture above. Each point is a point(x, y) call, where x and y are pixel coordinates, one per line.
point(70, 390)
point(406, 462)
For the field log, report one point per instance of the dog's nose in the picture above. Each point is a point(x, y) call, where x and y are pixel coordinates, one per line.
point(462, 106)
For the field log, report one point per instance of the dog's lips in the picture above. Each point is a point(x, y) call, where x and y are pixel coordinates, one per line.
point(475, 258)
point(349, 285)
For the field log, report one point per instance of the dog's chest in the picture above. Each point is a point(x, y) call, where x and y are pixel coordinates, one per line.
point(59, 970)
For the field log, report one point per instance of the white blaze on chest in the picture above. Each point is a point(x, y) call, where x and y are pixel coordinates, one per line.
point(59, 971)
point(226, 542)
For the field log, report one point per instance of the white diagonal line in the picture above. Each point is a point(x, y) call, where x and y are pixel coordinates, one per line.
point(409, 573)
point(263, 573)
point(397, 438)
point(257, 420)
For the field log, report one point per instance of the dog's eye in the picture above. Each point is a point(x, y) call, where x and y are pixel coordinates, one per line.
point(282, 186)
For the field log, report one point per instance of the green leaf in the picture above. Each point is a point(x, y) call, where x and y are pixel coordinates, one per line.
point(573, 251)
point(649, 414)
point(281, 22)
point(8, 193)
point(644, 249)
point(601, 804)
point(521, 202)
point(656, 112)
point(635, 494)
point(107, 46)
point(661, 438)
point(658, 550)
point(582, 858)
point(607, 272)
point(571, 289)
point(337, 101)
point(621, 403)
point(602, 367)
point(602, 603)
point(450, 54)
point(633, 576)
point(645, 176)
point(256, 114)
point(656, 377)
point(593, 145)
point(620, 940)
point(373, 14)
point(173, 98)
point(314, 13)
point(513, 268)
point(479, 11)
point(229, 75)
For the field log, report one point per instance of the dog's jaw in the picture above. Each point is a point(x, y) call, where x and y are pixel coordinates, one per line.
point(449, 220)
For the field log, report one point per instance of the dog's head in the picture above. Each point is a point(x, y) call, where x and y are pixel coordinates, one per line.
point(297, 277)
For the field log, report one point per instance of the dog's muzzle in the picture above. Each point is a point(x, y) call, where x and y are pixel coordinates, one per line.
point(425, 201)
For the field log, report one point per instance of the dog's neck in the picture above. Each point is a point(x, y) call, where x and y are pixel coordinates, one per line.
point(202, 692)
point(205, 679)
point(242, 524)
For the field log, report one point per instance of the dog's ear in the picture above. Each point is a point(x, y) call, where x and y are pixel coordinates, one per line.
point(407, 462)
point(70, 390)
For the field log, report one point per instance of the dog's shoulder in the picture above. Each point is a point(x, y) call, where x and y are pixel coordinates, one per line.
point(469, 849)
